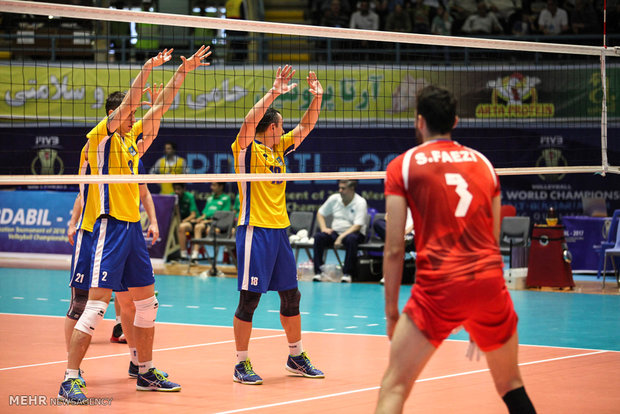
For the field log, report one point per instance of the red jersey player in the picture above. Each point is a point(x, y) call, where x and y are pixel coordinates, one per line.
point(454, 196)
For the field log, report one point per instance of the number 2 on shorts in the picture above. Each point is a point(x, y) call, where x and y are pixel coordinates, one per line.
point(461, 191)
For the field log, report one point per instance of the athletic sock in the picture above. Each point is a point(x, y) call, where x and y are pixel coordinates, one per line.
point(133, 353)
point(518, 402)
point(295, 349)
point(143, 367)
point(118, 319)
point(72, 374)
point(242, 356)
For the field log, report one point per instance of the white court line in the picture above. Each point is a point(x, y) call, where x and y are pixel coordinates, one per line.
point(174, 348)
point(42, 299)
point(165, 305)
point(338, 394)
point(360, 316)
point(219, 308)
point(192, 307)
point(330, 314)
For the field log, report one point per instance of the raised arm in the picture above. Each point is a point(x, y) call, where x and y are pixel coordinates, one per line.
point(280, 86)
point(152, 119)
point(308, 121)
point(132, 99)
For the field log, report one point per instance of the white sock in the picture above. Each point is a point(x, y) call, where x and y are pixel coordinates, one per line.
point(295, 349)
point(242, 356)
point(133, 353)
point(143, 367)
point(118, 319)
point(72, 374)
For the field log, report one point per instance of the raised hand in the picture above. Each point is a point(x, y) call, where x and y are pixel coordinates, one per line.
point(316, 88)
point(283, 77)
point(153, 93)
point(196, 59)
point(160, 59)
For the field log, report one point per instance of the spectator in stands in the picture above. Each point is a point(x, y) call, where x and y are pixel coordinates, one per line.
point(364, 18)
point(553, 20)
point(188, 211)
point(503, 9)
point(170, 163)
point(349, 211)
point(442, 22)
point(482, 23)
point(335, 16)
point(613, 19)
point(460, 10)
point(217, 201)
point(398, 20)
point(522, 23)
point(420, 17)
point(583, 18)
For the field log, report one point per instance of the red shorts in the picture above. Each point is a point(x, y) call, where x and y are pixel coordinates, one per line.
point(482, 305)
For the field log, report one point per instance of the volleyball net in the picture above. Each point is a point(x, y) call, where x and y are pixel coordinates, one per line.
point(532, 108)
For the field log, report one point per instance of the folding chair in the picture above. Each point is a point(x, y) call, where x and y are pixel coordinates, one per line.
point(514, 232)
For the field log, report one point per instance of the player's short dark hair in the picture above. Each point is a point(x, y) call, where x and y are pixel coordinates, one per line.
point(114, 101)
point(349, 183)
point(182, 185)
point(270, 117)
point(221, 184)
point(172, 144)
point(438, 107)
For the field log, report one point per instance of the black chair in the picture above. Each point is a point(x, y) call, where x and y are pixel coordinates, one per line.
point(514, 232)
point(296, 245)
point(224, 222)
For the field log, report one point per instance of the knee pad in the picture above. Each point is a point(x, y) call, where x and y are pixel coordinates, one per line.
point(92, 315)
point(248, 301)
point(146, 312)
point(289, 302)
point(79, 297)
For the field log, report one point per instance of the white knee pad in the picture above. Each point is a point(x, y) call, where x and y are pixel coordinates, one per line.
point(146, 312)
point(92, 315)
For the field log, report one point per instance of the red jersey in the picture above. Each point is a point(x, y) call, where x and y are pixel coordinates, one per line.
point(449, 189)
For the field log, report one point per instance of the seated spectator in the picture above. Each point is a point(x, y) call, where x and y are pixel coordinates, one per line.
point(502, 9)
point(188, 212)
point(553, 20)
point(335, 16)
point(482, 23)
point(348, 229)
point(442, 23)
point(420, 17)
point(364, 18)
point(398, 20)
point(170, 163)
point(583, 18)
point(217, 201)
point(522, 24)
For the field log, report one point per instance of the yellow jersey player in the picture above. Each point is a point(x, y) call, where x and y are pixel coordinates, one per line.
point(264, 254)
point(119, 250)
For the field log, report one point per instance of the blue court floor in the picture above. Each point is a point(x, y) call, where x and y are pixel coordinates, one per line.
point(545, 318)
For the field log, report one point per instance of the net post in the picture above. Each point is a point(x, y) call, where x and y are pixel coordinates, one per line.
point(604, 160)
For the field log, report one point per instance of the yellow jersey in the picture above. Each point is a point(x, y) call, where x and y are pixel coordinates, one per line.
point(88, 197)
point(113, 154)
point(262, 203)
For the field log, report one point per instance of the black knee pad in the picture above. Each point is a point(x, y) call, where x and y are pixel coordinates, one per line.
point(248, 301)
point(79, 297)
point(289, 302)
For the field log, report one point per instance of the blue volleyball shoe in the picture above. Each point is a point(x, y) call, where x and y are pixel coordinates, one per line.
point(301, 365)
point(244, 374)
point(154, 380)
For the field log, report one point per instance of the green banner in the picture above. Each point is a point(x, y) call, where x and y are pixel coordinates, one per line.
point(383, 94)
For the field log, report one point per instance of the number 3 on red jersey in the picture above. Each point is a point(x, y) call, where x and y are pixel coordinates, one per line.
point(461, 190)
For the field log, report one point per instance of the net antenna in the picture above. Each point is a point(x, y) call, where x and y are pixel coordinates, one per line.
point(163, 19)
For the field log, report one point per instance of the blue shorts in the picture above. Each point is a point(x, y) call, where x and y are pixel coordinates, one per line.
point(265, 260)
point(119, 257)
point(80, 260)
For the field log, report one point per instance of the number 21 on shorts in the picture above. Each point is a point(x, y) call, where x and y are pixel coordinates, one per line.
point(465, 196)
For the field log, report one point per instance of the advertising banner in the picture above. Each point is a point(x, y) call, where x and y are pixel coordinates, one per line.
point(36, 221)
point(384, 94)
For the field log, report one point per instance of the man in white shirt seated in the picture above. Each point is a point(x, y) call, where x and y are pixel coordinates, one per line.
point(348, 228)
